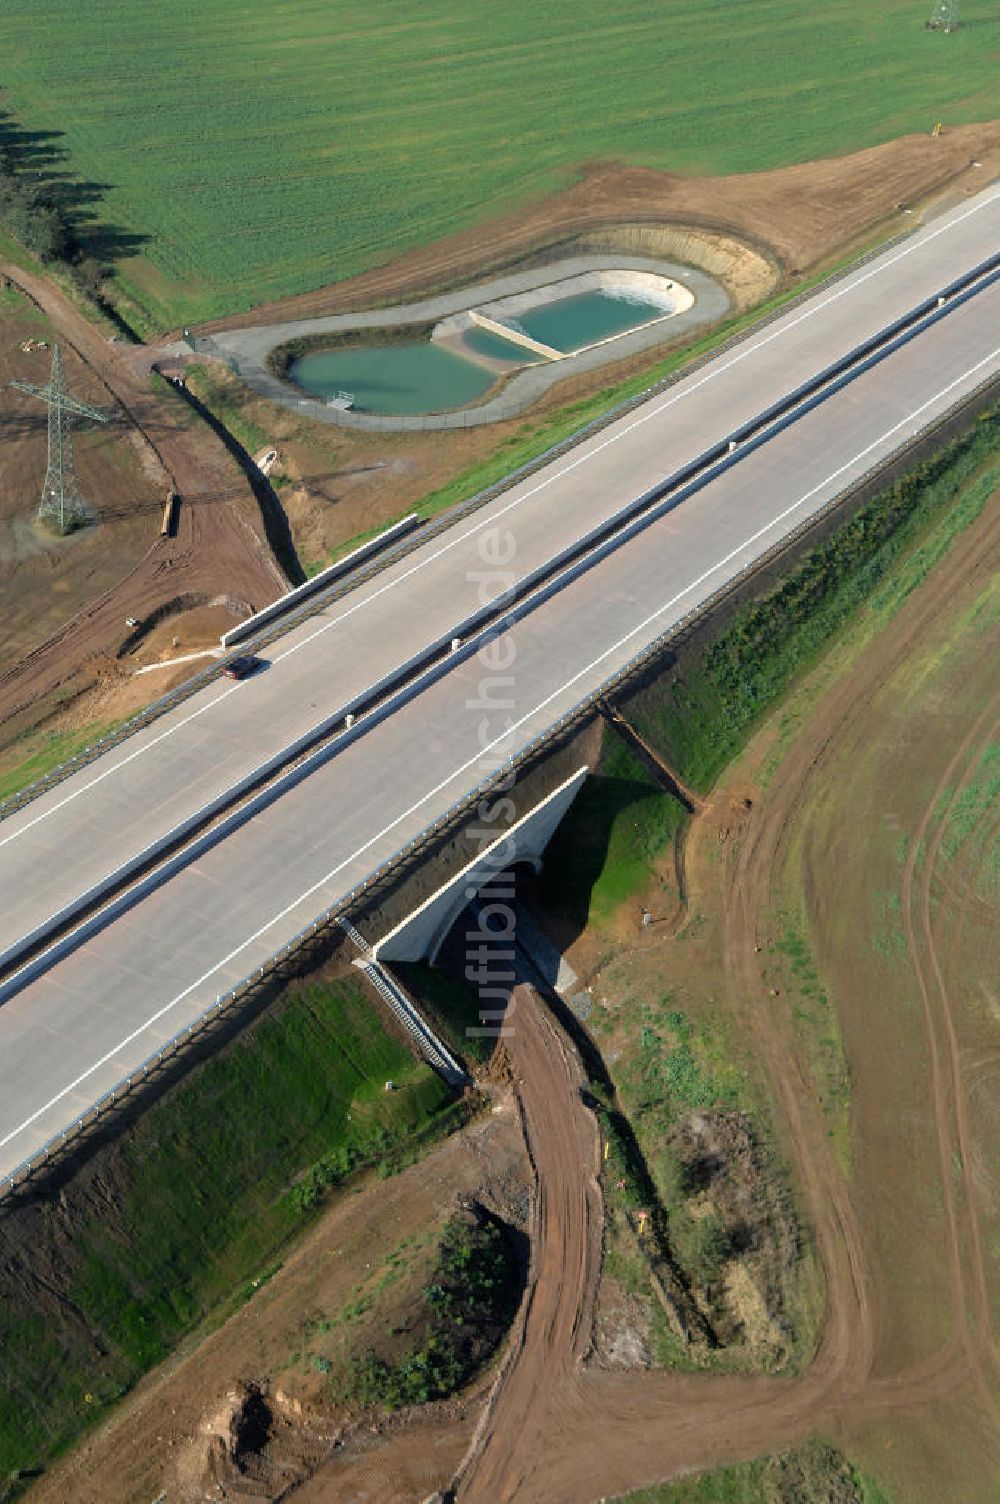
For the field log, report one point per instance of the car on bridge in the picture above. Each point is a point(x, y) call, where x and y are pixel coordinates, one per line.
point(243, 666)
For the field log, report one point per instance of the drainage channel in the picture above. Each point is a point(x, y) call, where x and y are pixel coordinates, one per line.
point(33, 952)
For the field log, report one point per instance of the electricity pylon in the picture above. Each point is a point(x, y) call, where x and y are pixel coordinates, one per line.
point(62, 506)
point(944, 16)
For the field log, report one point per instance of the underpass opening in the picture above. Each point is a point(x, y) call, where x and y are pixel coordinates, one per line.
point(421, 934)
point(480, 950)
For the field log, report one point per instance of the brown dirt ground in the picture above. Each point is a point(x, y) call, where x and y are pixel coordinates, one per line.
point(148, 1444)
point(906, 1373)
point(344, 483)
point(802, 214)
point(218, 547)
point(553, 1332)
point(43, 578)
point(187, 632)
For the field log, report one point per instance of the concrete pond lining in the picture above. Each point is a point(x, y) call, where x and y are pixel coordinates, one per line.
point(691, 300)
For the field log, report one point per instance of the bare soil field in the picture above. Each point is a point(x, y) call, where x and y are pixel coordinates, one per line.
point(174, 1432)
point(68, 641)
point(338, 483)
point(43, 577)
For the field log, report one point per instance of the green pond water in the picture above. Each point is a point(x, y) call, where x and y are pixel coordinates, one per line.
point(417, 378)
point(485, 342)
point(585, 318)
point(427, 378)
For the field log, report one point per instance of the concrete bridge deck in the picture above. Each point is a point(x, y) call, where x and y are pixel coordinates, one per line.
point(93, 1016)
point(72, 837)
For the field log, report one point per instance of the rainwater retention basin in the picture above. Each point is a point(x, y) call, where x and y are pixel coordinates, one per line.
point(422, 377)
point(587, 310)
point(472, 351)
point(581, 312)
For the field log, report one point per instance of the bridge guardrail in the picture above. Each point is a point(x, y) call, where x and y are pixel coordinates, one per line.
point(447, 518)
point(560, 727)
point(319, 582)
point(583, 553)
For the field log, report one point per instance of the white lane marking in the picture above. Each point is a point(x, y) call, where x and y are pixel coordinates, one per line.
point(116, 767)
point(464, 768)
point(645, 415)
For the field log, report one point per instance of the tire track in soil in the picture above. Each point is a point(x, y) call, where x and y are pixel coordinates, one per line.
point(553, 1330)
point(947, 1082)
point(970, 904)
point(963, 892)
point(216, 549)
point(570, 1434)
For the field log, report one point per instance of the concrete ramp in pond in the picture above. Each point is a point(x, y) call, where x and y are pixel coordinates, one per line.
point(515, 336)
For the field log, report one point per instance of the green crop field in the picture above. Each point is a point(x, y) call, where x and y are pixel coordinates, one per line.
point(265, 149)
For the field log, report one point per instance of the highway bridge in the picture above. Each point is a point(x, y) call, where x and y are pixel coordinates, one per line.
point(209, 839)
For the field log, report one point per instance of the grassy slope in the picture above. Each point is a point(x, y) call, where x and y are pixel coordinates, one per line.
point(813, 1474)
point(451, 1006)
point(605, 853)
point(48, 750)
point(204, 1197)
point(270, 149)
point(700, 719)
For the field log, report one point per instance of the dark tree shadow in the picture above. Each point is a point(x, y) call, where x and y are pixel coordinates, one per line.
point(79, 201)
point(276, 525)
point(40, 158)
point(29, 151)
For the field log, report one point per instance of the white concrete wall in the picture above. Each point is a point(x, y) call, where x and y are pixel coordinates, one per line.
point(651, 287)
point(514, 336)
point(423, 932)
point(648, 287)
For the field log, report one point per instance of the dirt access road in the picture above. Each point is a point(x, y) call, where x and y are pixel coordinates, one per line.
point(218, 548)
point(553, 1329)
point(565, 1433)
